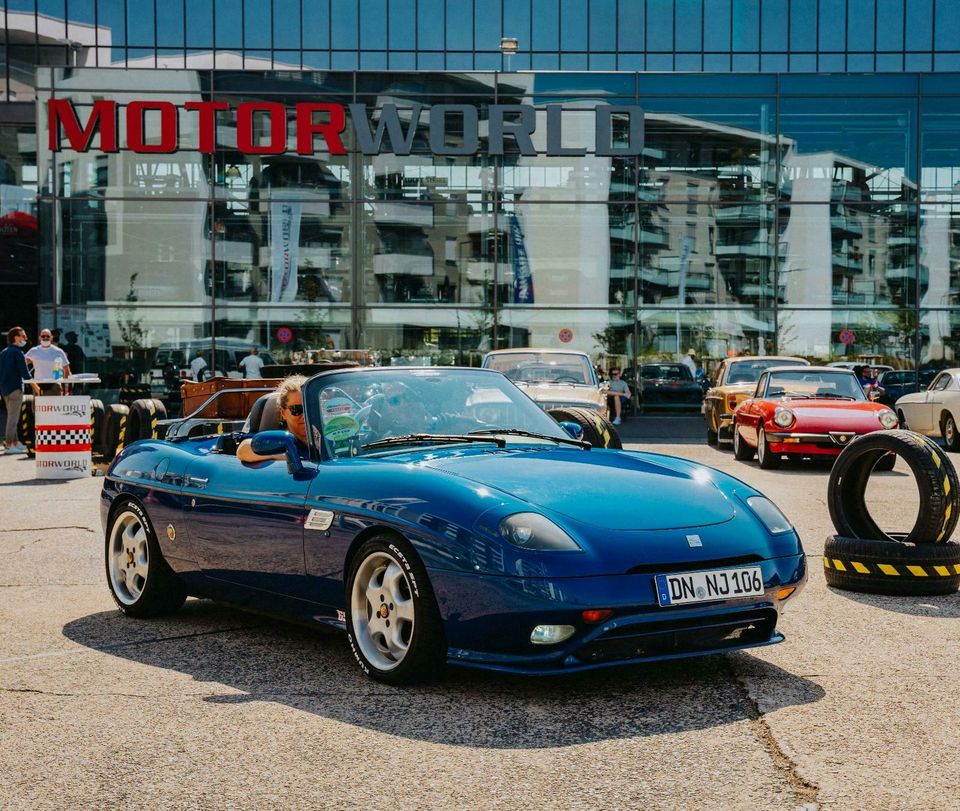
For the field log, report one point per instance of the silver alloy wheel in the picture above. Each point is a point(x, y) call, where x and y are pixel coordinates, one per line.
point(950, 431)
point(128, 557)
point(736, 439)
point(382, 610)
point(761, 445)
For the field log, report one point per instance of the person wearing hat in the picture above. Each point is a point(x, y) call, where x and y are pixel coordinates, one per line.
point(690, 361)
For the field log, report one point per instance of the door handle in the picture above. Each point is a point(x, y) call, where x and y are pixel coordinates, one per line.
point(197, 481)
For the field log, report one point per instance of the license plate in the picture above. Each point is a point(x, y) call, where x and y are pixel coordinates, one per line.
point(715, 584)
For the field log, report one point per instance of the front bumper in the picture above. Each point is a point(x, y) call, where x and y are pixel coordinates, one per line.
point(488, 619)
point(809, 444)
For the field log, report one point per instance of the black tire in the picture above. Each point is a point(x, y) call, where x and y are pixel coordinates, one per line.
point(742, 452)
point(950, 432)
point(712, 437)
point(767, 459)
point(597, 429)
point(426, 653)
point(142, 420)
point(162, 591)
point(936, 480)
point(97, 415)
point(891, 567)
point(26, 427)
point(903, 420)
point(114, 430)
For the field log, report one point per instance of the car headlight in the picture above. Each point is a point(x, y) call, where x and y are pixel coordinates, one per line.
point(537, 532)
point(784, 417)
point(888, 419)
point(769, 514)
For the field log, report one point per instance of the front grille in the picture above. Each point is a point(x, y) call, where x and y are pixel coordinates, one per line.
point(652, 639)
point(694, 565)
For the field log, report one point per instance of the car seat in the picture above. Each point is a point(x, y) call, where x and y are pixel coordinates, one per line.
point(264, 416)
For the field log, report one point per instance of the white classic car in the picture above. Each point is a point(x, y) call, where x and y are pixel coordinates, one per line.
point(936, 410)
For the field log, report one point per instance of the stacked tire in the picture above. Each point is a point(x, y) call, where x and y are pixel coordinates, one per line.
point(142, 419)
point(862, 557)
point(597, 429)
point(26, 426)
point(113, 435)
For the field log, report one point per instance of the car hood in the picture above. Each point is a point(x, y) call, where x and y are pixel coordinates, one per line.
point(626, 491)
point(835, 415)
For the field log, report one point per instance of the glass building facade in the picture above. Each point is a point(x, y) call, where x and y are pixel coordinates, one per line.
point(774, 206)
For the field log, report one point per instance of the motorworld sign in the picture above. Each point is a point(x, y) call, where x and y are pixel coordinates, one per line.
point(325, 123)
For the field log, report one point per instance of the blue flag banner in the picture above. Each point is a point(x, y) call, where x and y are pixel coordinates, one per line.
point(522, 277)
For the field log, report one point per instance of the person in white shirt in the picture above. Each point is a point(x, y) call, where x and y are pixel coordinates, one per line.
point(197, 365)
point(252, 365)
point(42, 360)
point(690, 361)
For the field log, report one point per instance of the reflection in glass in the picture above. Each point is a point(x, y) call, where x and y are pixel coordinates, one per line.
point(879, 336)
point(846, 255)
point(849, 149)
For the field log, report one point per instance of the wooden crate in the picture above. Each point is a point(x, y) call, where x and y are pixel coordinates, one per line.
point(235, 404)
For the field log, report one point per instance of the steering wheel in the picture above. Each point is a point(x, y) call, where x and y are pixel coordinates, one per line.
point(566, 379)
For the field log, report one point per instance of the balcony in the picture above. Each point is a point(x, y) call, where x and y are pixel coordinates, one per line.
point(745, 249)
point(844, 297)
point(483, 270)
point(402, 264)
point(737, 214)
point(845, 225)
point(847, 263)
point(396, 213)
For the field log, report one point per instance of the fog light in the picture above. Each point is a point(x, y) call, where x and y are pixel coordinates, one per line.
point(595, 615)
point(785, 592)
point(551, 634)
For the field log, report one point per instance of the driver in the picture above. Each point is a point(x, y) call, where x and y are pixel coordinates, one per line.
point(290, 399)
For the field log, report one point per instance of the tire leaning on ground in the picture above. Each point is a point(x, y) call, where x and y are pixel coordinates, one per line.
point(891, 567)
point(97, 414)
point(140, 579)
point(597, 429)
point(26, 427)
point(142, 419)
point(114, 430)
point(393, 623)
point(936, 480)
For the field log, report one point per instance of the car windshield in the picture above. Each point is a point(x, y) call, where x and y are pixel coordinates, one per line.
point(439, 406)
point(665, 371)
point(748, 371)
point(543, 367)
point(800, 383)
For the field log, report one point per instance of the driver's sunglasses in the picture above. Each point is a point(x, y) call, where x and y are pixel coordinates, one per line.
point(295, 410)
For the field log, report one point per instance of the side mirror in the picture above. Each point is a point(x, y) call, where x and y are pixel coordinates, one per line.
point(275, 443)
point(574, 429)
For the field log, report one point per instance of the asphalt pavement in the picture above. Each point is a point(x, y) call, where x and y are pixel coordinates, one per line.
point(218, 709)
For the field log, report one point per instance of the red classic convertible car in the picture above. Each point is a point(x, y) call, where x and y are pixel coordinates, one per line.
point(806, 411)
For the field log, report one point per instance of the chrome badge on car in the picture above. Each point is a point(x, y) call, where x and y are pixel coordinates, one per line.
point(694, 540)
point(319, 519)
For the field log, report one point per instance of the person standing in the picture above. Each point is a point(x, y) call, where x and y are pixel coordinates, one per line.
point(74, 352)
point(13, 371)
point(45, 359)
point(197, 365)
point(619, 392)
point(252, 365)
point(690, 361)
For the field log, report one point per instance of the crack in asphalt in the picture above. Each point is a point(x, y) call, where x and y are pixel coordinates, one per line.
point(121, 645)
point(46, 529)
point(806, 792)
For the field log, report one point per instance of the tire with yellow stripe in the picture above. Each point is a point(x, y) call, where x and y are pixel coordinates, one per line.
point(936, 480)
point(97, 414)
point(143, 418)
point(26, 432)
point(891, 567)
point(597, 429)
point(114, 430)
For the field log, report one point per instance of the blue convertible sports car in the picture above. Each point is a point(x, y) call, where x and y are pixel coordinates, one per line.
point(439, 516)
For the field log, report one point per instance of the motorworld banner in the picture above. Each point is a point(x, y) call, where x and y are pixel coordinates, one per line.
point(62, 438)
point(320, 127)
